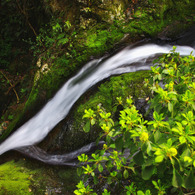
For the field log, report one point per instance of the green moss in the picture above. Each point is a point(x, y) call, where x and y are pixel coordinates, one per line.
point(29, 177)
point(94, 41)
point(129, 84)
point(69, 177)
point(14, 179)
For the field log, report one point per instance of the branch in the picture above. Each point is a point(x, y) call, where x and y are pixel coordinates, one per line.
point(18, 100)
point(26, 17)
point(23, 11)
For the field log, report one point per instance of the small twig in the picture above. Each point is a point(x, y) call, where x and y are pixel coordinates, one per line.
point(23, 11)
point(18, 100)
point(190, 193)
point(26, 17)
point(13, 85)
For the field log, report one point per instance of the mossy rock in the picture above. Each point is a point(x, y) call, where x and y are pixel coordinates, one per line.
point(129, 84)
point(68, 135)
point(15, 179)
point(27, 176)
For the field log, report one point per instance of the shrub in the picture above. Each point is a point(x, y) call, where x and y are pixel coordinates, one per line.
point(160, 152)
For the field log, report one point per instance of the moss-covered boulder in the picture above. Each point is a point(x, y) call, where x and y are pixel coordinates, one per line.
point(69, 135)
point(14, 179)
point(26, 177)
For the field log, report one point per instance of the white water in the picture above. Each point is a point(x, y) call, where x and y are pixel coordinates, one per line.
point(57, 108)
point(69, 159)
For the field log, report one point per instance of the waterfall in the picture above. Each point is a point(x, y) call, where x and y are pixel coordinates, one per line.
point(128, 60)
point(69, 159)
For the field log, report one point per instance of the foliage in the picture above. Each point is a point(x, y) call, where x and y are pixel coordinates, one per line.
point(135, 147)
point(123, 86)
point(52, 37)
point(17, 19)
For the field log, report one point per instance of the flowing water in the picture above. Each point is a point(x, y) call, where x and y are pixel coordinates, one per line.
point(130, 59)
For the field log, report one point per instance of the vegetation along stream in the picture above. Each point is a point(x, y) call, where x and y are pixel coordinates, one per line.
point(106, 105)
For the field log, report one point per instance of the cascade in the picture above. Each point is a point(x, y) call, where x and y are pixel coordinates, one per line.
point(130, 59)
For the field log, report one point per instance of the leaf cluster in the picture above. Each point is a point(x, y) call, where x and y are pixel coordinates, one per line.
point(135, 147)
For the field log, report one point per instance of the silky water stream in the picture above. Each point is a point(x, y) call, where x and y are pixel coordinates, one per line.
point(130, 59)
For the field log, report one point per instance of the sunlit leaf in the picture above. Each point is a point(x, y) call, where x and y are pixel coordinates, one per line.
point(100, 168)
point(182, 139)
point(86, 128)
point(159, 159)
point(170, 107)
point(140, 193)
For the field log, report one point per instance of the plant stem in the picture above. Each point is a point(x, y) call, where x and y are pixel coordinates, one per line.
point(18, 100)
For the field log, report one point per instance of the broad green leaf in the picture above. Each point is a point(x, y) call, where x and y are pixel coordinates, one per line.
point(149, 148)
point(92, 174)
point(157, 136)
point(175, 130)
point(191, 139)
point(95, 180)
point(86, 128)
point(125, 174)
point(93, 121)
point(110, 133)
point(187, 159)
point(139, 158)
point(177, 179)
point(148, 192)
point(161, 168)
point(140, 193)
point(169, 142)
point(165, 71)
point(79, 171)
point(186, 152)
point(100, 168)
point(112, 146)
point(193, 106)
point(184, 123)
point(170, 107)
point(189, 181)
point(150, 122)
point(159, 77)
point(131, 168)
point(155, 184)
point(159, 159)
point(158, 152)
point(147, 172)
point(182, 139)
point(155, 116)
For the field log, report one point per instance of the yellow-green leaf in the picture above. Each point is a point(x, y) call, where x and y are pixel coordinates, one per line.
point(182, 139)
point(125, 174)
point(159, 159)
